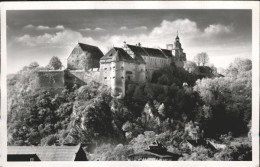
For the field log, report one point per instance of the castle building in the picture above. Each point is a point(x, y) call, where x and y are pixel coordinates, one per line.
point(84, 57)
point(119, 66)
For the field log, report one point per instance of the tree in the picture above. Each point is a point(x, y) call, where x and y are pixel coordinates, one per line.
point(229, 99)
point(55, 63)
point(191, 67)
point(201, 59)
point(33, 65)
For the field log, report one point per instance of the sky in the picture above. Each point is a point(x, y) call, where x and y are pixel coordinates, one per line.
point(38, 35)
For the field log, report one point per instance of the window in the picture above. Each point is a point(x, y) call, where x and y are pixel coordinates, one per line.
point(122, 67)
point(105, 68)
point(113, 77)
point(114, 67)
point(122, 77)
point(105, 77)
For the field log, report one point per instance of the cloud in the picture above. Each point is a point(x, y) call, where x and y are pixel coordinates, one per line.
point(95, 29)
point(215, 29)
point(135, 28)
point(40, 27)
point(141, 28)
point(166, 31)
point(59, 27)
point(98, 29)
point(64, 38)
point(85, 29)
point(28, 26)
point(159, 36)
point(123, 28)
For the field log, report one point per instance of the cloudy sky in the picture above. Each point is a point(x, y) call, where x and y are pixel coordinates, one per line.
point(39, 35)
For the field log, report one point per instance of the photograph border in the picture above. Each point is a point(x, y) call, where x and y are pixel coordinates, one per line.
point(253, 5)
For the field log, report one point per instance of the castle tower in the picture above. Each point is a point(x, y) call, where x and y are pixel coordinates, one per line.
point(177, 47)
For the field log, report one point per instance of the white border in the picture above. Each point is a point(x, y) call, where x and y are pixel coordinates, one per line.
point(137, 5)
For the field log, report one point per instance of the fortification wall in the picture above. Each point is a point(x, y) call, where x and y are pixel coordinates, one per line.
point(51, 79)
point(82, 77)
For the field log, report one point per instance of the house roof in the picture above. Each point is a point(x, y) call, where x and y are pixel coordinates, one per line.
point(196, 143)
point(117, 54)
point(161, 155)
point(156, 149)
point(138, 51)
point(150, 52)
point(93, 50)
point(168, 53)
point(46, 153)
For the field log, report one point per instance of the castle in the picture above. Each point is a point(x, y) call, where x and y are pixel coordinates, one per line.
point(128, 64)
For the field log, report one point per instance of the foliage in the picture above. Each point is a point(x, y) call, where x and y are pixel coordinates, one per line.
point(242, 152)
point(54, 63)
point(229, 99)
point(201, 59)
point(168, 75)
point(151, 111)
point(108, 152)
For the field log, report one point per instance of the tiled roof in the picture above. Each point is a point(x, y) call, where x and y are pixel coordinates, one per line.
point(168, 53)
point(150, 52)
point(117, 54)
point(94, 50)
point(46, 153)
point(165, 154)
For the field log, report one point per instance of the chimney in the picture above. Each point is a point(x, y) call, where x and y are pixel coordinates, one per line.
point(139, 44)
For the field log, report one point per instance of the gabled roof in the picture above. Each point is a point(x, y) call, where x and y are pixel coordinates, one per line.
point(93, 50)
point(167, 52)
point(149, 153)
point(156, 149)
point(117, 54)
point(150, 52)
point(161, 155)
point(46, 153)
point(196, 143)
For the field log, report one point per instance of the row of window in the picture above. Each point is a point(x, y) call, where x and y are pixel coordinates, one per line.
point(114, 77)
point(76, 51)
point(114, 68)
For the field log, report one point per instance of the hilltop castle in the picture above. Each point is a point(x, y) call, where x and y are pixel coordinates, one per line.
point(130, 63)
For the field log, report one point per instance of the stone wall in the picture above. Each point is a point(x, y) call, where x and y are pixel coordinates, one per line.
point(81, 60)
point(51, 79)
point(81, 77)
